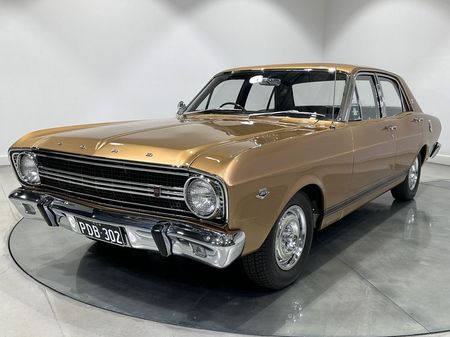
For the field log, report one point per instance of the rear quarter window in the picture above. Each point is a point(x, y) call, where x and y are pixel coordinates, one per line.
point(392, 96)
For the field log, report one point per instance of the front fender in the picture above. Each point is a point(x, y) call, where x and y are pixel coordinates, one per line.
point(281, 167)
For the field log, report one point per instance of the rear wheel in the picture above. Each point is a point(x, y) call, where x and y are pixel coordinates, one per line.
point(408, 188)
point(281, 258)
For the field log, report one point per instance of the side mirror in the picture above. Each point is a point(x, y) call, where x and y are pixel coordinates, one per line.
point(181, 108)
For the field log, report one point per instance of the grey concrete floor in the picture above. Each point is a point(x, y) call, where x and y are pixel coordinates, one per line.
point(30, 309)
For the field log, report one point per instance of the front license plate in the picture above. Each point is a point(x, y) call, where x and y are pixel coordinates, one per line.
point(102, 232)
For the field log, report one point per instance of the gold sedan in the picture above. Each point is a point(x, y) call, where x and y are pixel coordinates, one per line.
point(260, 159)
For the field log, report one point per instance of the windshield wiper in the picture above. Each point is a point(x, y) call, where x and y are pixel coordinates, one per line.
point(288, 112)
point(218, 111)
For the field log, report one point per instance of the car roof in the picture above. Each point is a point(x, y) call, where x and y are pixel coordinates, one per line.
point(347, 68)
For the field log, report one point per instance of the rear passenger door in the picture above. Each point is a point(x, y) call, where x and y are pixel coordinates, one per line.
point(408, 123)
point(373, 137)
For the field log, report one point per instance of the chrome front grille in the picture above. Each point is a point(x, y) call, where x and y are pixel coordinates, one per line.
point(118, 183)
point(115, 185)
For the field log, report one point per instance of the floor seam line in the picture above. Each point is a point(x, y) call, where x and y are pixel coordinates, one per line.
point(53, 312)
point(379, 291)
point(3, 191)
point(432, 184)
point(7, 200)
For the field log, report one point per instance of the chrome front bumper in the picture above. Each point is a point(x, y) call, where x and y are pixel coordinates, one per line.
point(215, 247)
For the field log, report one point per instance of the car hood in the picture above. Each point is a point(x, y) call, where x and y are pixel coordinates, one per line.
point(171, 142)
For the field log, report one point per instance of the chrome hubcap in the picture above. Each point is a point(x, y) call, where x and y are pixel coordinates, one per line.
point(290, 237)
point(413, 174)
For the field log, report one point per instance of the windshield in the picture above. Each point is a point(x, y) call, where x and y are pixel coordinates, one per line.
point(290, 92)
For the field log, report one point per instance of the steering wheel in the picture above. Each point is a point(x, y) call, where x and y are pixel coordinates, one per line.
point(236, 105)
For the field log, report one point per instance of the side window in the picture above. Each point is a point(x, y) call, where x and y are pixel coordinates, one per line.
point(366, 98)
point(260, 97)
point(227, 91)
point(392, 96)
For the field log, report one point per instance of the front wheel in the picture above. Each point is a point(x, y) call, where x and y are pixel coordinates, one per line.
point(408, 188)
point(281, 258)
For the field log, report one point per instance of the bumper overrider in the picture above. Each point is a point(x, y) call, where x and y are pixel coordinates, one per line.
point(215, 247)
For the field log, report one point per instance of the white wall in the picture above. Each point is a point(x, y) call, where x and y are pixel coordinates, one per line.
point(408, 37)
point(80, 61)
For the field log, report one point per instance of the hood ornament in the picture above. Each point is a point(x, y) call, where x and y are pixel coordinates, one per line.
point(149, 154)
point(83, 147)
point(115, 150)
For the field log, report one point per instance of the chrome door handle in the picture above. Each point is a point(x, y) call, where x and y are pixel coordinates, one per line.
point(417, 119)
point(392, 127)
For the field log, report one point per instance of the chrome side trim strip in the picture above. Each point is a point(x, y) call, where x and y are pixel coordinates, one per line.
point(372, 189)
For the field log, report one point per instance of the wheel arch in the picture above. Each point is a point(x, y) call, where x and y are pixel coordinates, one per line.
point(313, 188)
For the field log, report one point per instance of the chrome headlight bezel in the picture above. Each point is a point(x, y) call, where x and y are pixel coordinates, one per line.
point(17, 159)
point(216, 187)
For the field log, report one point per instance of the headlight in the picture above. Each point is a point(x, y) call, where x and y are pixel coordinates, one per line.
point(27, 168)
point(202, 197)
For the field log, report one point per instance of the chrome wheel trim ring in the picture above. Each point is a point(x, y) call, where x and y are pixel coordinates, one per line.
point(290, 237)
point(413, 174)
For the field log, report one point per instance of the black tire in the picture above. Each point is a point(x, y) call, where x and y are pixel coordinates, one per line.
point(403, 191)
point(261, 266)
